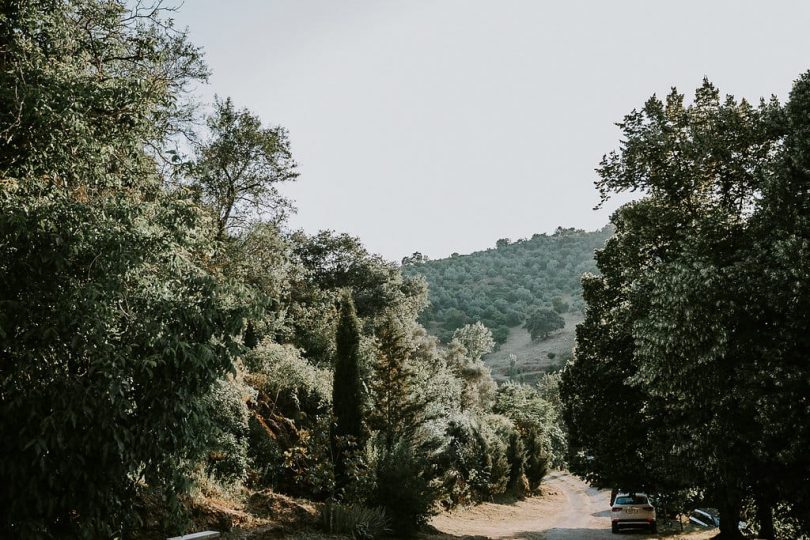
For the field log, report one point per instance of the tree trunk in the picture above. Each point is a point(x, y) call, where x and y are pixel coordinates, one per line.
point(730, 518)
point(765, 519)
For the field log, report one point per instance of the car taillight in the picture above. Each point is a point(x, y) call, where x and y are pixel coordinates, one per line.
point(648, 508)
point(616, 509)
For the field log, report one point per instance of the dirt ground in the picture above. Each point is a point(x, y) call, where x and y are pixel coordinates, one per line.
point(569, 509)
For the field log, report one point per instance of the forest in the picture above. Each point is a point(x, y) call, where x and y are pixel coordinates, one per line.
point(504, 286)
point(166, 338)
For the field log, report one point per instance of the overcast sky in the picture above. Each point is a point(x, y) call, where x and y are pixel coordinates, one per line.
point(441, 126)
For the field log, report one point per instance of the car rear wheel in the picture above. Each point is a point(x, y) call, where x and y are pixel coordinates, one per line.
point(614, 528)
point(653, 527)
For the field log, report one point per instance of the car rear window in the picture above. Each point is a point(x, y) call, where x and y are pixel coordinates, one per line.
point(631, 499)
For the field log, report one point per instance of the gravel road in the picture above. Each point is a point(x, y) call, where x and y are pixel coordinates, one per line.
point(569, 509)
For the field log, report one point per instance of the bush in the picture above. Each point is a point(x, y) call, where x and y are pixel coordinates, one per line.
point(358, 521)
point(403, 486)
point(536, 458)
point(227, 437)
point(516, 456)
point(296, 386)
point(496, 430)
point(465, 462)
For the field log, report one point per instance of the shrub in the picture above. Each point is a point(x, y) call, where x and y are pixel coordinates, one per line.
point(359, 521)
point(536, 458)
point(295, 385)
point(516, 455)
point(227, 436)
point(403, 486)
point(496, 430)
point(465, 462)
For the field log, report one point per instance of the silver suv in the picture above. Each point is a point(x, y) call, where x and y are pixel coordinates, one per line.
point(632, 510)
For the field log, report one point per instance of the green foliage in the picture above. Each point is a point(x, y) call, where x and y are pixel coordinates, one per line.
point(687, 303)
point(396, 412)
point(226, 441)
point(290, 421)
point(236, 170)
point(516, 455)
point(542, 322)
point(108, 340)
point(114, 324)
point(497, 430)
point(501, 287)
point(100, 83)
point(538, 423)
point(465, 462)
point(347, 391)
point(403, 485)
point(559, 305)
point(360, 522)
point(476, 339)
point(293, 383)
point(537, 457)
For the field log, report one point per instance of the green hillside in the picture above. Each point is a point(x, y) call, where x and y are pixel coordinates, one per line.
point(503, 285)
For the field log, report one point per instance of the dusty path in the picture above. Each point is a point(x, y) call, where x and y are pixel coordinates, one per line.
point(568, 510)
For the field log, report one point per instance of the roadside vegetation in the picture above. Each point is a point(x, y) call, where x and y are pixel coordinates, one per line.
point(690, 377)
point(166, 338)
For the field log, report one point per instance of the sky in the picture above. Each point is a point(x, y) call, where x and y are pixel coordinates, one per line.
point(441, 126)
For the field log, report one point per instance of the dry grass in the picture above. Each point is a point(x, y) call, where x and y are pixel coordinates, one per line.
point(532, 358)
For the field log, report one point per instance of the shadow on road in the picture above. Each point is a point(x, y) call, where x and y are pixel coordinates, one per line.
point(559, 533)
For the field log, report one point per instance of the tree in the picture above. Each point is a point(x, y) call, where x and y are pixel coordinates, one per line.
point(348, 430)
point(467, 348)
point(559, 305)
point(687, 301)
point(476, 340)
point(113, 324)
point(237, 169)
point(500, 287)
point(542, 322)
point(397, 411)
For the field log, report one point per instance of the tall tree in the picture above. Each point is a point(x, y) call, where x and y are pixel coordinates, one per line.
point(686, 302)
point(348, 429)
point(112, 320)
point(398, 412)
point(237, 169)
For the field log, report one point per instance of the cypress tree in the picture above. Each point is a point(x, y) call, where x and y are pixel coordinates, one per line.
point(347, 392)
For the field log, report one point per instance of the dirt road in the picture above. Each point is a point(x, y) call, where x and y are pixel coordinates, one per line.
point(568, 510)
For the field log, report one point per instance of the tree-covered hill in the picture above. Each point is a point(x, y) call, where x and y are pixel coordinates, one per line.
point(503, 286)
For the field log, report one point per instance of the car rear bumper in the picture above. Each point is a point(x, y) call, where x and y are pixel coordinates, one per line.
point(633, 522)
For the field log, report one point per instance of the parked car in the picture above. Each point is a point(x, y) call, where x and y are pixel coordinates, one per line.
point(632, 510)
point(705, 517)
point(710, 518)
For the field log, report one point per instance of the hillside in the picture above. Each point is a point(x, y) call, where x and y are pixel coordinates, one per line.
point(501, 286)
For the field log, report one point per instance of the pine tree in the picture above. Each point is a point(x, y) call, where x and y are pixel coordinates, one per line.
point(397, 412)
point(347, 391)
